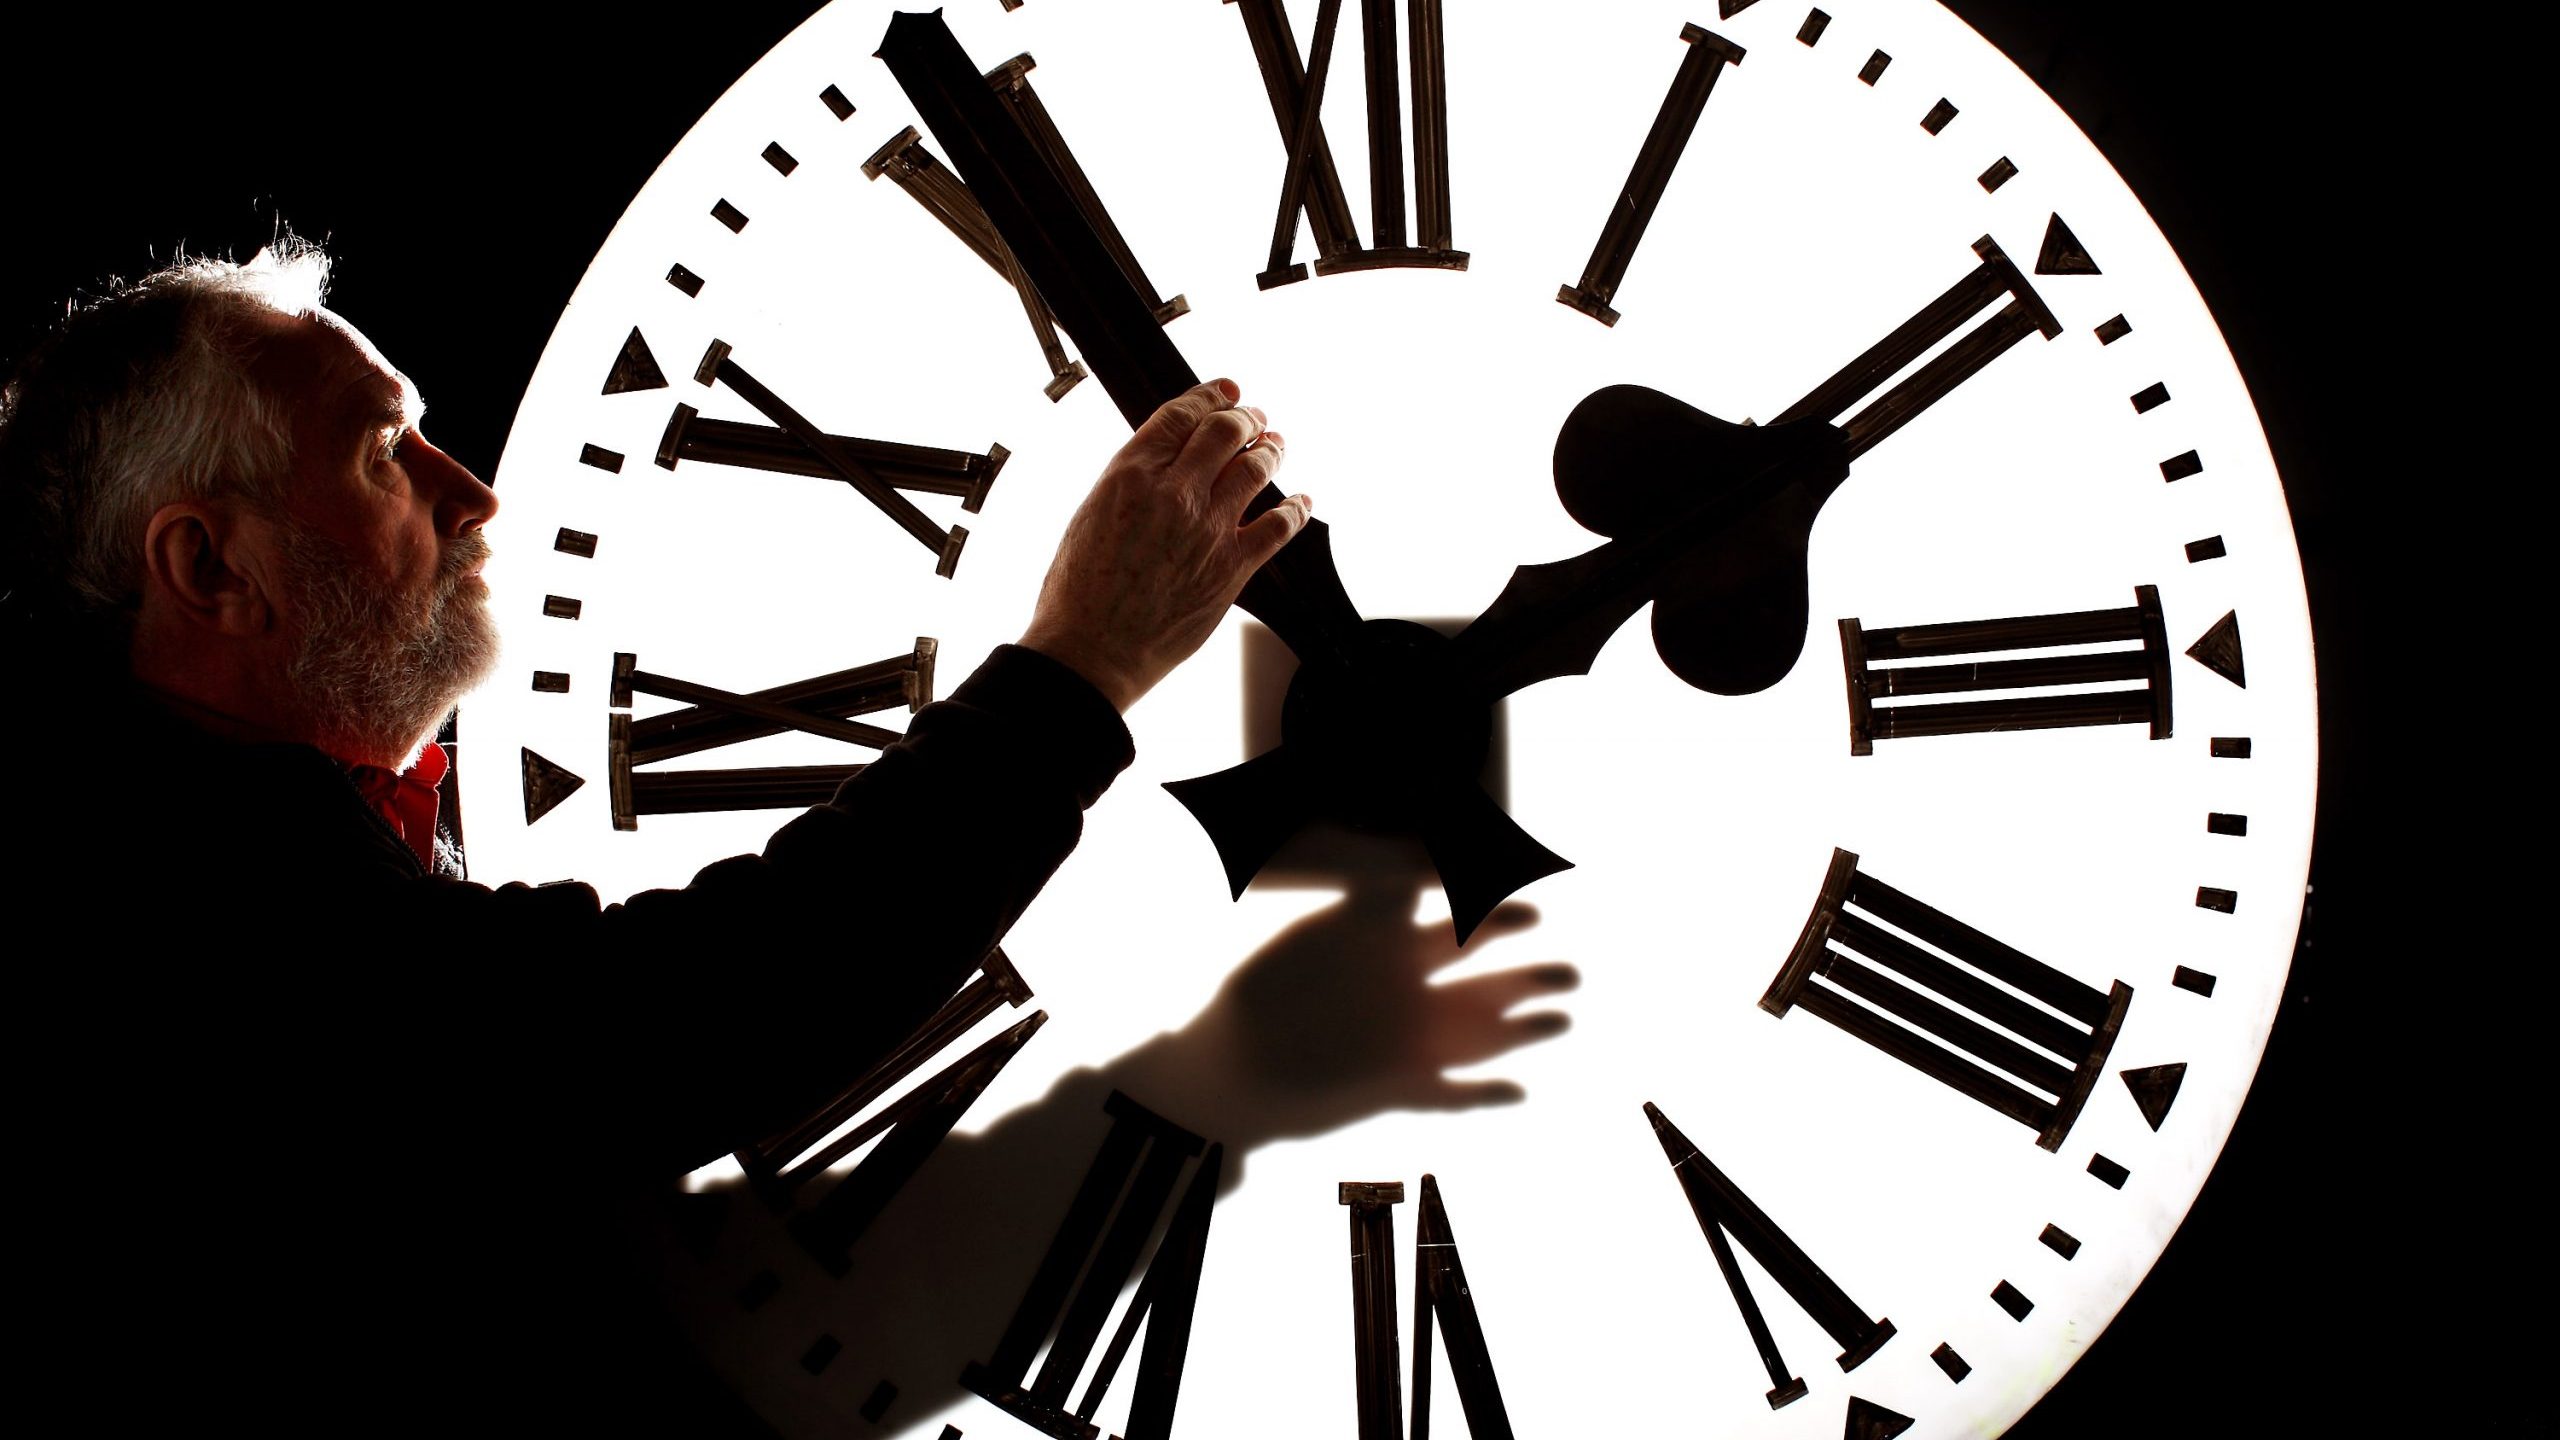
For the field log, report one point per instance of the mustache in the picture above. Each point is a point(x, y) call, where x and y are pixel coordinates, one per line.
point(466, 554)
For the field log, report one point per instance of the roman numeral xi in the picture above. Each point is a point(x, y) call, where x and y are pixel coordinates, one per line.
point(947, 198)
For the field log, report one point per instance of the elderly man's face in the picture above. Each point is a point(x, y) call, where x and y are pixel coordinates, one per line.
point(382, 548)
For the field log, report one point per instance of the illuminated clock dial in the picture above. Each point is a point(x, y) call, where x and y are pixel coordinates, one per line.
point(1942, 950)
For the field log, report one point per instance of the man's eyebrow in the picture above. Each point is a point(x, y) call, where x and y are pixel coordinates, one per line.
point(398, 408)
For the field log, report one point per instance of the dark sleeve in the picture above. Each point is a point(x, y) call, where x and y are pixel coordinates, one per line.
point(682, 1023)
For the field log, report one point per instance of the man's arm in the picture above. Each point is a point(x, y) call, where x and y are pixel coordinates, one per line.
point(729, 1009)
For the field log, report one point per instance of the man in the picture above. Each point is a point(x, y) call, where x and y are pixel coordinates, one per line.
point(243, 592)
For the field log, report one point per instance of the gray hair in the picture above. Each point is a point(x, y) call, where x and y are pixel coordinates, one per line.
point(138, 399)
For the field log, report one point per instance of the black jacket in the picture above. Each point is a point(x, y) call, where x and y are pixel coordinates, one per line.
point(328, 1144)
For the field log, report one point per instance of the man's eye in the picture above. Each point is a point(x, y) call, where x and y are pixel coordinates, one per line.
point(392, 442)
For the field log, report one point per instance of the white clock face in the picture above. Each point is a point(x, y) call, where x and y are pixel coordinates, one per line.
point(1810, 214)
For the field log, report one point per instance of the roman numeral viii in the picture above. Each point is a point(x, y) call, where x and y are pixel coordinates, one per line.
point(1439, 1287)
point(783, 1169)
point(1080, 1278)
point(2036, 1024)
point(1310, 183)
point(1723, 1210)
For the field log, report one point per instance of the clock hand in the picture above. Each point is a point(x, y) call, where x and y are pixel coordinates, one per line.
point(1298, 593)
point(1710, 521)
point(1379, 735)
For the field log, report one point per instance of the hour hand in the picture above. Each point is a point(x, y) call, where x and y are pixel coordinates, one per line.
point(1710, 521)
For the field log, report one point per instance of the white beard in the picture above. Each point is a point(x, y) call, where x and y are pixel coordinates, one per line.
point(377, 672)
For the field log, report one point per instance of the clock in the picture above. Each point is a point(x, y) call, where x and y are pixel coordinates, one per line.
point(1918, 956)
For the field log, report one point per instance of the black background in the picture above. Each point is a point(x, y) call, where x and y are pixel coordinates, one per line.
point(465, 161)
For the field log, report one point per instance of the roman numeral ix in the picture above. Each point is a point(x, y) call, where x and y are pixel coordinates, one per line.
point(2036, 1024)
point(1310, 183)
point(713, 718)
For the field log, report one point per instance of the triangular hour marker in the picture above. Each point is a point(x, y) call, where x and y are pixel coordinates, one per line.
point(2219, 650)
point(2063, 254)
point(1871, 1421)
point(634, 368)
point(1727, 9)
point(2155, 1089)
point(545, 786)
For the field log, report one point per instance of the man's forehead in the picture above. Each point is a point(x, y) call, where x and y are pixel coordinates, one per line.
point(342, 377)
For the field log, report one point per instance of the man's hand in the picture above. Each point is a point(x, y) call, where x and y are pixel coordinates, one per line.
point(1155, 555)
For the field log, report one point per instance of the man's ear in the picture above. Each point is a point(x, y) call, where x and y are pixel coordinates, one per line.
point(211, 564)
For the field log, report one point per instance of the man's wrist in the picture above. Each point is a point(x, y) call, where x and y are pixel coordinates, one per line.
point(1114, 684)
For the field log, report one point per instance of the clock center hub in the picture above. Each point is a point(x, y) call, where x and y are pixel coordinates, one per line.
point(1386, 728)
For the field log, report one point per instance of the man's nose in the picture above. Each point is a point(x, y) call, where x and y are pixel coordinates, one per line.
point(463, 501)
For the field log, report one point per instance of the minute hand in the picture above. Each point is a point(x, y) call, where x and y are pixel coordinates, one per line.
point(1711, 520)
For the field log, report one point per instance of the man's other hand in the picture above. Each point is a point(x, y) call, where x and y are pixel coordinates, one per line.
point(1157, 553)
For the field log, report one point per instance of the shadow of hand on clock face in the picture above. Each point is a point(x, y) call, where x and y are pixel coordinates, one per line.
point(1342, 1016)
point(1339, 1017)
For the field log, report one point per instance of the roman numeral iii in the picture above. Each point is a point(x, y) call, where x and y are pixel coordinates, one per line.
point(1865, 649)
point(2037, 1025)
